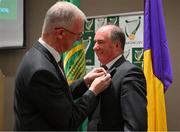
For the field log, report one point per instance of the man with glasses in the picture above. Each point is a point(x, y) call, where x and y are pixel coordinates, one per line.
point(43, 100)
point(80, 35)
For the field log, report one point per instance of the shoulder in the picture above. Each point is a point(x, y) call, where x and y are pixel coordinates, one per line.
point(34, 61)
point(129, 69)
point(129, 66)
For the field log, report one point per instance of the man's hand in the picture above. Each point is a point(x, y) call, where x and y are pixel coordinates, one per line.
point(100, 83)
point(96, 72)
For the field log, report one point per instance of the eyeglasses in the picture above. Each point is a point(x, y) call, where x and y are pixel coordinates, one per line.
point(80, 35)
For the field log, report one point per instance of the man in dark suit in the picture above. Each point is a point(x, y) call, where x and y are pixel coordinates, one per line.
point(43, 100)
point(123, 105)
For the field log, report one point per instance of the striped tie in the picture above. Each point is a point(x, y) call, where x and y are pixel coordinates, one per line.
point(105, 67)
point(60, 63)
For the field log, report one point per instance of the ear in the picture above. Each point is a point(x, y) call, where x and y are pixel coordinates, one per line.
point(117, 44)
point(59, 33)
point(118, 47)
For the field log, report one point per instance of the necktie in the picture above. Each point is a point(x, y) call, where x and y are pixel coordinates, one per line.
point(60, 63)
point(105, 67)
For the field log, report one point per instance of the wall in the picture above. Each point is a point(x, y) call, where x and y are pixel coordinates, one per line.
point(35, 11)
point(172, 17)
point(1, 100)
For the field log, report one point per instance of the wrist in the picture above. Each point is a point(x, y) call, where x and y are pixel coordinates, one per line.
point(86, 80)
point(92, 90)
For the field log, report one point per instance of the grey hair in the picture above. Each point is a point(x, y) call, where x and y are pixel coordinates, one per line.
point(62, 14)
point(116, 34)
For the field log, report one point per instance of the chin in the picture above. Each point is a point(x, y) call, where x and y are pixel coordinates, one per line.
point(101, 61)
point(67, 49)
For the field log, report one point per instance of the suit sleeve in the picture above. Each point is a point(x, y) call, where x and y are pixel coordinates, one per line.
point(49, 96)
point(78, 88)
point(133, 100)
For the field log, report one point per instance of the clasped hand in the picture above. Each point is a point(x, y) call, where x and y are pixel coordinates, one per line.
point(98, 80)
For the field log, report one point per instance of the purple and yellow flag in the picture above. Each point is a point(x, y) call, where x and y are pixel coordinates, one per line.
point(157, 65)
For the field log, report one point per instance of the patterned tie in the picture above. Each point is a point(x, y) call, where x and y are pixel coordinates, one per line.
point(60, 63)
point(105, 67)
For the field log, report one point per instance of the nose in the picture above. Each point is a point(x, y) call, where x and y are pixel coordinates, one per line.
point(79, 38)
point(96, 47)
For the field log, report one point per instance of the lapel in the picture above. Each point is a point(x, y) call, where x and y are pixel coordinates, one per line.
point(118, 62)
point(49, 56)
point(105, 96)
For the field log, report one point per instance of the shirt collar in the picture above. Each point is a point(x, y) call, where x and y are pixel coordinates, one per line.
point(54, 53)
point(113, 61)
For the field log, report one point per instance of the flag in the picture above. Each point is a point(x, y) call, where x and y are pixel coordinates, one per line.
point(157, 65)
point(75, 63)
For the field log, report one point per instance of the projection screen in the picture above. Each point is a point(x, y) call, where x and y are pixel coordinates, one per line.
point(11, 24)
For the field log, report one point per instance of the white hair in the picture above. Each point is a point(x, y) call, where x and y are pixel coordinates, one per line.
point(62, 14)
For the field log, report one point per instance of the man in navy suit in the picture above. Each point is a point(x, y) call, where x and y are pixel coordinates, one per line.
point(43, 100)
point(122, 106)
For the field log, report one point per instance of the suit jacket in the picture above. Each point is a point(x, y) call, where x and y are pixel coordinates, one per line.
point(122, 106)
point(43, 99)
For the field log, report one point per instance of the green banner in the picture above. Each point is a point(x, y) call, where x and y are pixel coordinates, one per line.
point(75, 64)
point(88, 39)
point(113, 20)
point(137, 56)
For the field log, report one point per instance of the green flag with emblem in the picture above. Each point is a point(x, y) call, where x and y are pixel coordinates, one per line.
point(75, 64)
